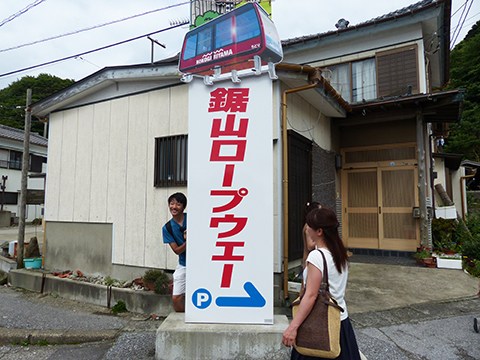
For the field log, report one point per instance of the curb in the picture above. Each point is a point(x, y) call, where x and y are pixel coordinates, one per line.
point(9, 336)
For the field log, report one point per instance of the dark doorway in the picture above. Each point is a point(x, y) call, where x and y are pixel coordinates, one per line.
point(299, 189)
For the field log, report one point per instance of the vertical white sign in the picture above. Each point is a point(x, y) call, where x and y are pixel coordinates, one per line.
point(230, 204)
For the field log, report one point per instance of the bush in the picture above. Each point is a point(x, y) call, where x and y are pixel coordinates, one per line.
point(37, 221)
point(119, 307)
point(471, 247)
point(152, 275)
point(473, 223)
point(442, 233)
point(161, 286)
point(472, 266)
point(159, 279)
point(423, 253)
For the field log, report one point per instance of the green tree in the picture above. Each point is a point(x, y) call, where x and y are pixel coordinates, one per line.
point(465, 73)
point(13, 98)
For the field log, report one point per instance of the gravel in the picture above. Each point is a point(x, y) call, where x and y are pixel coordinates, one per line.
point(27, 310)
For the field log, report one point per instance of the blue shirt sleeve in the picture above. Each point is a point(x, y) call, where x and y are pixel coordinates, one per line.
point(167, 237)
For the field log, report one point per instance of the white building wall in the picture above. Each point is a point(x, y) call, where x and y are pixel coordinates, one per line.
point(457, 184)
point(356, 45)
point(14, 181)
point(105, 156)
point(439, 168)
point(105, 171)
point(14, 184)
point(456, 176)
point(308, 121)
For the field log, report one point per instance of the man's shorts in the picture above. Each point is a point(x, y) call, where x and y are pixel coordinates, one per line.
point(179, 280)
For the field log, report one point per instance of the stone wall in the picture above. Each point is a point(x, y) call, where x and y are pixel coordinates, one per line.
point(323, 176)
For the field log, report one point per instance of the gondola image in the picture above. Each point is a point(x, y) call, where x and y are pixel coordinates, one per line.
point(231, 41)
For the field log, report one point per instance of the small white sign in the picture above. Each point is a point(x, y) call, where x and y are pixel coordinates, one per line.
point(230, 204)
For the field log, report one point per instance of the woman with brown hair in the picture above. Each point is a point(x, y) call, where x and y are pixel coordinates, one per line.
point(322, 235)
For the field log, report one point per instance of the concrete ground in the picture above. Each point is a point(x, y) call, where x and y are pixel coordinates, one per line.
point(375, 287)
point(399, 311)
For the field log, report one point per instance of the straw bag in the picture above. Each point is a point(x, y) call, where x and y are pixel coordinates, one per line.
point(319, 333)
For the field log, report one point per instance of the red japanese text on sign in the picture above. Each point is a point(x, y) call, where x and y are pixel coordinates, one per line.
point(227, 151)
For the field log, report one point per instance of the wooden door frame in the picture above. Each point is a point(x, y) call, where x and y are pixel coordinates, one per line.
point(378, 166)
point(382, 242)
point(346, 214)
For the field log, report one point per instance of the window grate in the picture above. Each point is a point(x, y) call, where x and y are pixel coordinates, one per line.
point(171, 161)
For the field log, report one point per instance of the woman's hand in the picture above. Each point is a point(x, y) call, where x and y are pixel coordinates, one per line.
point(289, 336)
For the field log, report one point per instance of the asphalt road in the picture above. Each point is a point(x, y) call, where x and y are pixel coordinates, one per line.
point(432, 330)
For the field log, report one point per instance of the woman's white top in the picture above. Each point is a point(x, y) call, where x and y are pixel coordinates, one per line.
point(336, 281)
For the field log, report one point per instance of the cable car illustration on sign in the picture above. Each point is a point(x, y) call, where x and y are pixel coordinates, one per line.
point(244, 38)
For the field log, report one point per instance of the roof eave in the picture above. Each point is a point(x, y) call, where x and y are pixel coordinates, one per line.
point(101, 79)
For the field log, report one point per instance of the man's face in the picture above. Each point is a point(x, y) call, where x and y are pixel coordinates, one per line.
point(175, 207)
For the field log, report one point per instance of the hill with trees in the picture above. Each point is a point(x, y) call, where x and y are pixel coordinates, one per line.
point(465, 73)
point(13, 98)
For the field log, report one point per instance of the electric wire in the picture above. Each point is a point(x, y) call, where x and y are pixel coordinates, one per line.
point(463, 8)
point(309, 130)
point(458, 28)
point(89, 51)
point(23, 11)
point(91, 63)
point(93, 27)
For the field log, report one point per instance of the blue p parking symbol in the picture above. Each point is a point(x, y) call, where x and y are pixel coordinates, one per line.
point(201, 298)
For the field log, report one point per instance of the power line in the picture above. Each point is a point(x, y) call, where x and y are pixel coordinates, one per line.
point(460, 26)
point(91, 51)
point(93, 27)
point(23, 11)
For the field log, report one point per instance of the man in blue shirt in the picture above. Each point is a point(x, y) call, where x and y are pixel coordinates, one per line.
point(175, 234)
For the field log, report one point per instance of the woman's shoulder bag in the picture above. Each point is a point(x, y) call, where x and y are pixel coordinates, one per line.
point(319, 334)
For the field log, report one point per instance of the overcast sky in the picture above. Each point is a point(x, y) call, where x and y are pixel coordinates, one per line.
point(50, 18)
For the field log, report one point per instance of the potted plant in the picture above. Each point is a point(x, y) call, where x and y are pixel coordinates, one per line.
point(294, 283)
point(157, 281)
point(423, 256)
point(447, 244)
point(429, 262)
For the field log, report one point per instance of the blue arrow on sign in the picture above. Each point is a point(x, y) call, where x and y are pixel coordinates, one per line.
point(254, 299)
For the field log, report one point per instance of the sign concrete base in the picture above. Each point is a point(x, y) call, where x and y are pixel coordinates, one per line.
point(178, 340)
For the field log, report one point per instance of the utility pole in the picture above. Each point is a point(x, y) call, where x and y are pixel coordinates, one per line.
point(23, 196)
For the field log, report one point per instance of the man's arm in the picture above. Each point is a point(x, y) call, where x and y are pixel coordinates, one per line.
point(168, 238)
point(178, 249)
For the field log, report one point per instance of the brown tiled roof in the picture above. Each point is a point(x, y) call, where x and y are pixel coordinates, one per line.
point(390, 16)
point(17, 134)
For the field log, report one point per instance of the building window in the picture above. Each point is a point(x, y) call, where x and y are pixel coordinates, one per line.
point(340, 79)
point(36, 163)
point(389, 73)
point(16, 160)
point(171, 161)
point(9, 198)
point(364, 80)
point(4, 155)
point(356, 81)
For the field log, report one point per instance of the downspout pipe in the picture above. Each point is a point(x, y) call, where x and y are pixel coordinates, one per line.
point(285, 163)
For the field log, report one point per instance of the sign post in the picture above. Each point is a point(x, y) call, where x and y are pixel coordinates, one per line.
point(230, 213)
